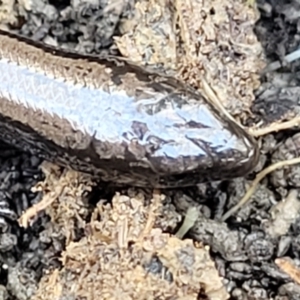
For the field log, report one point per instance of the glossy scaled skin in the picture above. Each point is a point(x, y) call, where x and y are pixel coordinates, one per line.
point(114, 120)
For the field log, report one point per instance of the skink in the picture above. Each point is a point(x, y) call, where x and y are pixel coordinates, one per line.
point(115, 120)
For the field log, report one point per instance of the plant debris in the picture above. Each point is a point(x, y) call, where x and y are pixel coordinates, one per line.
point(122, 257)
point(65, 200)
point(199, 39)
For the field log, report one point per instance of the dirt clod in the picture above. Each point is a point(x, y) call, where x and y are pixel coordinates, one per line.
point(114, 259)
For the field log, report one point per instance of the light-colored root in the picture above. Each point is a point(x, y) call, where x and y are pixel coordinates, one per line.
point(256, 181)
point(295, 122)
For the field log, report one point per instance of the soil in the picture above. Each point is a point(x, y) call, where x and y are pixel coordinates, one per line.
point(77, 246)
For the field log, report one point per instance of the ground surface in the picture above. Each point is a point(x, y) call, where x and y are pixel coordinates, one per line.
point(256, 251)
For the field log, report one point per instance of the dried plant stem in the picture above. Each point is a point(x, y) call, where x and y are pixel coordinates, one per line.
point(256, 181)
point(156, 202)
point(31, 212)
point(215, 100)
point(275, 127)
